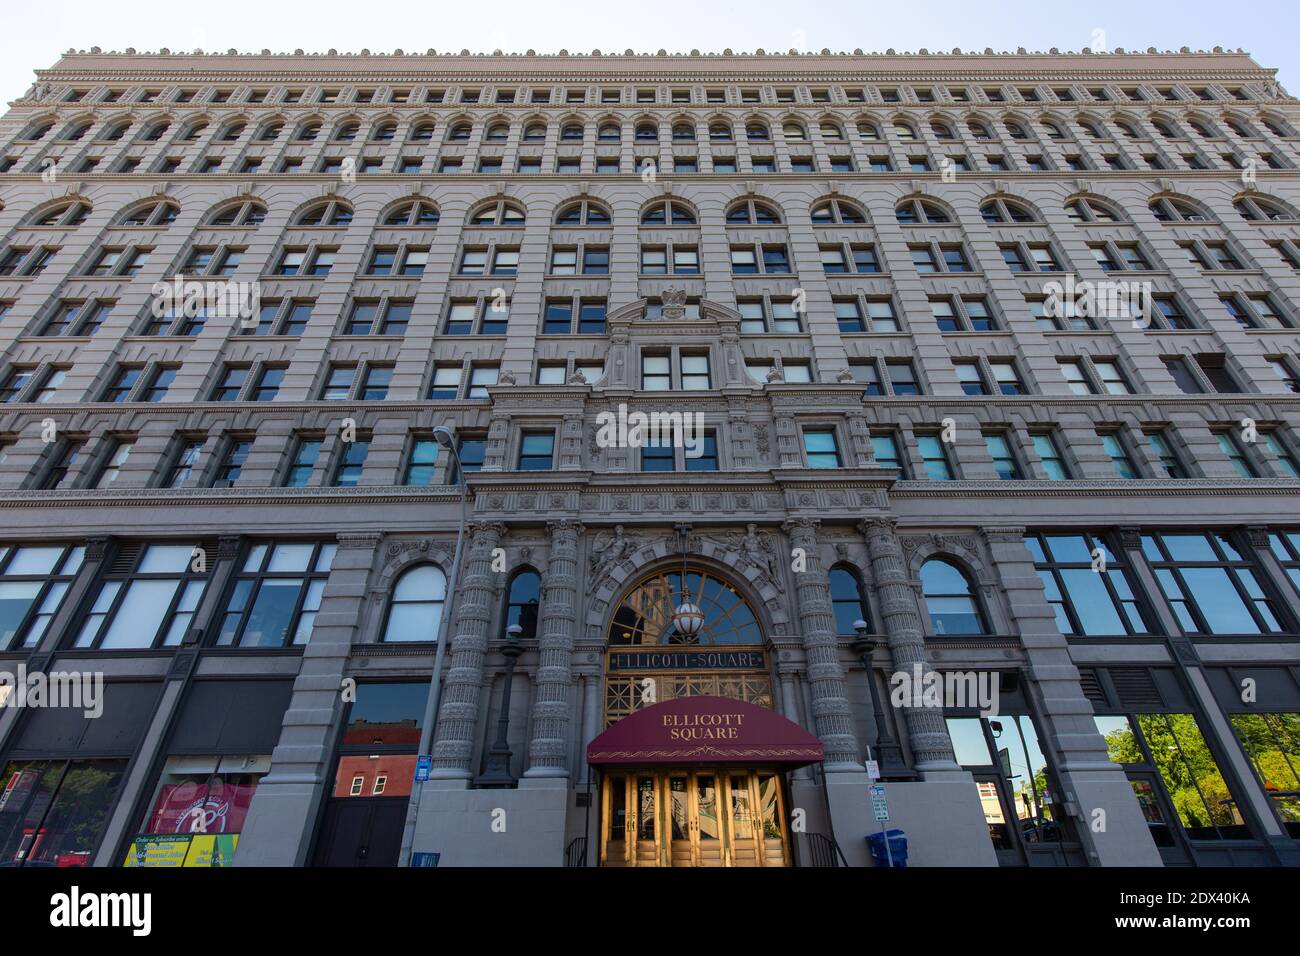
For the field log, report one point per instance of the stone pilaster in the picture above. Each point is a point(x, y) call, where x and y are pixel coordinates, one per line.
point(927, 734)
point(547, 756)
point(830, 705)
point(458, 712)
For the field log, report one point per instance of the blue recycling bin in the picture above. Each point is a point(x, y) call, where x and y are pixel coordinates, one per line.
point(897, 848)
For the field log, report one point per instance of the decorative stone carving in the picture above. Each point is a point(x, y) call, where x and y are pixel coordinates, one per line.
point(606, 551)
point(674, 300)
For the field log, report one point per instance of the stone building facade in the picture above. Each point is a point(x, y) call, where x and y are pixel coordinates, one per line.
point(842, 264)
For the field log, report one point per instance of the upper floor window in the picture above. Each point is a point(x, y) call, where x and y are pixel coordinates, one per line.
point(329, 213)
point(668, 212)
point(1088, 588)
point(276, 594)
point(1212, 587)
point(498, 213)
point(752, 212)
point(147, 599)
point(415, 213)
point(920, 211)
point(837, 211)
point(950, 599)
point(33, 582)
point(415, 610)
point(848, 600)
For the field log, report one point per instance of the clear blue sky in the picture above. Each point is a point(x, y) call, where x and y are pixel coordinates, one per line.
point(35, 32)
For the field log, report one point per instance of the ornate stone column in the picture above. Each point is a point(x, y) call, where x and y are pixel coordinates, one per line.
point(458, 712)
point(926, 731)
point(548, 748)
point(830, 704)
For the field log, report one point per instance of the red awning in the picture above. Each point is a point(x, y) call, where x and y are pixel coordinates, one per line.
point(704, 730)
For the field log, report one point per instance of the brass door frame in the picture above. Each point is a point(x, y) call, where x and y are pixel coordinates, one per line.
point(722, 777)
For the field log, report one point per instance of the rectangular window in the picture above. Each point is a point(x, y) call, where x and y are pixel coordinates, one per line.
point(537, 451)
point(1162, 448)
point(232, 462)
point(351, 463)
point(421, 463)
point(303, 463)
point(1049, 454)
point(821, 450)
point(934, 458)
point(149, 605)
point(1212, 587)
point(276, 594)
point(1088, 587)
point(1005, 462)
point(33, 582)
point(1113, 444)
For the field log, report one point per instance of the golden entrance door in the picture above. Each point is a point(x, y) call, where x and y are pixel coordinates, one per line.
point(704, 817)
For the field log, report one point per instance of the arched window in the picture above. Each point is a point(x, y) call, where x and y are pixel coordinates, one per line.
point(522, 602)
point(1169, 209)
point(683, 133)
point(1202, 128)
point(346, 132)
point(498, 213)
point(246, 213)
point(837, 211)
point(118, 130)
point(308, 132)
point(645, 615)
point(534, 132)
point(1054, 131)
point(668, 212)
point(757, 132)
point(999, 210)
point(422, 132)
point(38, 129)
point(1088, 209)
point(582, 213)
point(415, 610)
point(950, 599)
point(831, 130)
point(979, 130)
point(571, 133)
point(384, 132)
point(271, 131)
point(647, 132)
point(332, 212)
point(162, 213)
point(719, 133)
point(868, 130)
point(419, 212)
point(941, 130)
point(62, 214)
point(848, 600)
point(232, 131)
point(903, 130)
point(753, 212)
point(79, 129)
point(497, 133)
point(458, 132)
point(918, 211)
point(609, 133)
point(1015, 130)
point(1260, 209)
point(1128, 129)
point(1276, 126)
point(1238, 127)
point(1165, 129)
point(792, 129)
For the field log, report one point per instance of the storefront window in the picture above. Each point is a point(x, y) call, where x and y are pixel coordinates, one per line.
point(1088, 588)
point(1272, 742)
point(52, 812)
point(1173, 745)
point(1211, 586)
point(197, 811)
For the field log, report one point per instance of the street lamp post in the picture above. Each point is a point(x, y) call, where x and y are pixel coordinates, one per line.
point(447, 439)
point(496, 773)
point(889, 754)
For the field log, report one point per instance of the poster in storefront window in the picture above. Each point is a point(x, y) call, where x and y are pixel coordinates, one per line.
point(194, 822)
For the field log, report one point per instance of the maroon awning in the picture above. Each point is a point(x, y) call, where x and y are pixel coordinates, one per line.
point(704, 730)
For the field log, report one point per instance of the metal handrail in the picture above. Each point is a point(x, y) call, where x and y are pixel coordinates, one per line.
point(575, 854)
point(824, 851)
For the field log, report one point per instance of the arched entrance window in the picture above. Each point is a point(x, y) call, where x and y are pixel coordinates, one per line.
point(522, 602)
point(652, 658)
point(950, 599)
point(416, 608)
